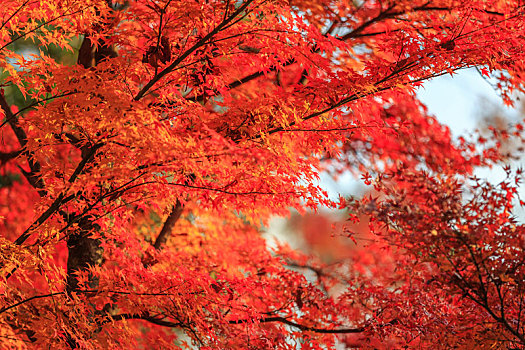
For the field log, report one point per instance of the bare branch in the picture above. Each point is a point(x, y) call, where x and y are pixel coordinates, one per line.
point(7, 156)
point(33, 176)
point(172, 218)
point(276, 319)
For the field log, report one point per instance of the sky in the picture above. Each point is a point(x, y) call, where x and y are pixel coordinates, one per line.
point(458, 101)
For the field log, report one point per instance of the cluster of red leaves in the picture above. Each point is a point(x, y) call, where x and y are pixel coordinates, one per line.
point(462, 257)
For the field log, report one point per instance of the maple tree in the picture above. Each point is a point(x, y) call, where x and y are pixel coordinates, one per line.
point(146, 143)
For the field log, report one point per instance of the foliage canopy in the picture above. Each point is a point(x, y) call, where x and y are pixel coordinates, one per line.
point(144, 144)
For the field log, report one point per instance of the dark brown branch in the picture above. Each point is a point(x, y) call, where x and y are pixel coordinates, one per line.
point(12, 306)
point(221, 190)
point(387, 14)
point(36, 103)
point(32, 105)
point(172, 218)
point(72, 140)
point(319, 273)
point(303, 327)
point(244, 80)
point(21, 36)
point(53, 208)
point(95, 291)
point(277, 319)
point(86, 158)
point(145, 317)
point(33, 176)
point(188, 52)
point(14, 14)
point(7, 156)
point(61, 199)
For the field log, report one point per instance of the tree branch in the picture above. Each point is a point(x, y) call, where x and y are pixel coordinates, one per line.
point(303, 327)
point(172, 218)
point(7, 156)
point(277, 319)
point(188, 52)
point(33, 177)
point(61, 199)
point(145, 317)
point(12, 306)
